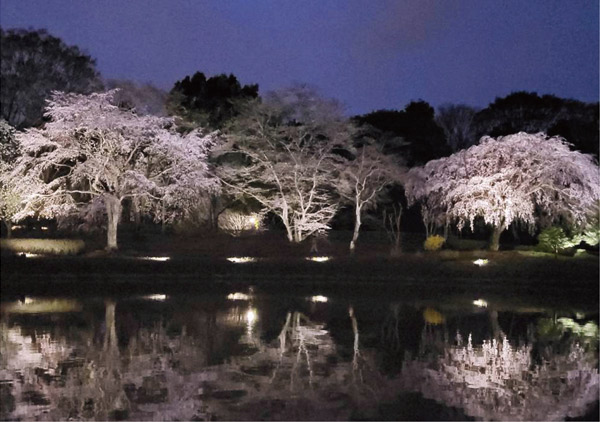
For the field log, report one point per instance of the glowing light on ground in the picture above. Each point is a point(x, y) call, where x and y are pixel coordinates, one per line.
point(480, 262)
point(251, 316)
point(155, 258)
point(318, 258)
point(31, 255)
point(44, 228)
point(481, 303)
point(318, 298)
point(241, 259)
point(155, 297)
point(238, 296)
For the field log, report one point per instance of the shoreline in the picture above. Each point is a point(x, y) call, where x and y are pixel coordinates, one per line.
point(560, 281)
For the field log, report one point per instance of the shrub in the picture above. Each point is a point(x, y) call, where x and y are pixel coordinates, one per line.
point(553, 239)
point(236, 223)
point(590, 235)
point(434, 243)
point(44, 246)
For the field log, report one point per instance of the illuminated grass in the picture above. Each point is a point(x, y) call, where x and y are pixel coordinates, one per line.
point(39, 306)
point(44, 246)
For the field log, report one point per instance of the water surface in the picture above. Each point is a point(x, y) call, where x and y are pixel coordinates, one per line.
point(249, 355)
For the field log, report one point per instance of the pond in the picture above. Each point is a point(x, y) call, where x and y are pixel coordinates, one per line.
point(252, 355)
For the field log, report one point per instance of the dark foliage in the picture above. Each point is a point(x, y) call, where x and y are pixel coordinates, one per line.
point(411, 133)
point(202, 101)
point(34, 63)
point(528, 112)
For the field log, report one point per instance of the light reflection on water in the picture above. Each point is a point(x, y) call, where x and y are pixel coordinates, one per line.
point(208, 357)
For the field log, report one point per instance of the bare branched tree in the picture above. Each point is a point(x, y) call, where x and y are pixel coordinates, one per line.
point(364, 178)
point(281, 153)
point(457, 122)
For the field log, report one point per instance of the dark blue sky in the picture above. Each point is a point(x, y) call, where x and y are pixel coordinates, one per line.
point(369, 54)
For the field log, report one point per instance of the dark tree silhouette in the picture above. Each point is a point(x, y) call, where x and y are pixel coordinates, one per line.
point(144, 99)
point(34, 63)
point(212, 102)
point(456, 120)
point(411, 133)
point(528, 112)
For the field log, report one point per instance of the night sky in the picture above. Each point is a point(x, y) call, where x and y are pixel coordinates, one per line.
point(368, 54)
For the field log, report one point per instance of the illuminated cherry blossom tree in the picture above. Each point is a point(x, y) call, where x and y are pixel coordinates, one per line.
point(93, 155)
point(286, 160)
point(531, 178)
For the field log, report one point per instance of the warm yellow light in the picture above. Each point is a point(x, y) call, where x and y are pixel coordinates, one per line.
point(480, 262)
point(44, 228)
point(319, 298)
point(241, 259)
point(481, 303)
point(155, 258)
point(318, 258)
point(238, 296)
point(433, 317)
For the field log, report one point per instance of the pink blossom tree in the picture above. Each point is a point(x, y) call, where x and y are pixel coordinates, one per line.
point(531, 178)
point(93, 155)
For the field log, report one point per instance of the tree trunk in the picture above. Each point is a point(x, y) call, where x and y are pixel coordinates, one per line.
point(495, 239)
point(162, 218)
point(357, 223)
point(113, 210)
point(8, 225)
point(297, 234)
point(286, 222)
point(135, 209)
point(215, 205)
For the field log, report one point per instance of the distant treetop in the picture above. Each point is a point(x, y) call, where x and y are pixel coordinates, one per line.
point(202, 101)
point(32, 65)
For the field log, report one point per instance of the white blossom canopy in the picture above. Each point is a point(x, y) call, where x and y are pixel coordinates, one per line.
point(525, 177)
point(91, 149)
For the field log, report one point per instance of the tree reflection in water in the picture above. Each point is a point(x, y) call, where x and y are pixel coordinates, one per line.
point(218, 361)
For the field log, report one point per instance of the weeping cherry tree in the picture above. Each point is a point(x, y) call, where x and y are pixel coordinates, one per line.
point(524, 177)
